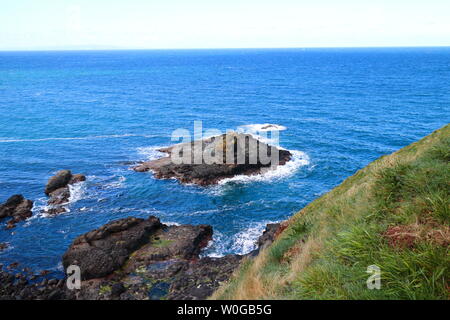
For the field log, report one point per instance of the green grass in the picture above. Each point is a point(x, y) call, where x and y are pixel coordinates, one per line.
point(161, 243)
point(394, 214)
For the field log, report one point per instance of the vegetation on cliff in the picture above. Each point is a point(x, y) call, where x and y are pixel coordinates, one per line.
point(394, 214)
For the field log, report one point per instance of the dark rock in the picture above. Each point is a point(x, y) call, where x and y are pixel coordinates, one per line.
point(59, 192)
point(59, 196)
point(234, 154)
point(55, 295)
point(76, 178)
point(182, 242)
point(104, 250)
point(3, 246)
point(60, 180)
point(14, 200)
point(117, 289)
point(17, 208)
point(268, 235)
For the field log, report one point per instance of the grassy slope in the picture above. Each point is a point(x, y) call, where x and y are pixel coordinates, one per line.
point(395, 214)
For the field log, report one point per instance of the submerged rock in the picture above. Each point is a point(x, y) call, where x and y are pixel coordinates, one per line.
point(208, 161)
point(58, 190)
point(17, 208)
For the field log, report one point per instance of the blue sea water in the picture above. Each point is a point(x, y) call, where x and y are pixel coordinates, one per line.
point(93, 111)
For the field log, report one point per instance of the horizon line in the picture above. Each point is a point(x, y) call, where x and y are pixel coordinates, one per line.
point(218, 48)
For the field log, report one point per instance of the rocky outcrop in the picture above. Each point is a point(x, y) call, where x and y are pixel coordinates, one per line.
point(131, 259)
point(135, 258)
point(104, 250)
point(58, 190)
point(17, 209)
point(3, 246)
point(269, 235)
point(210, 160)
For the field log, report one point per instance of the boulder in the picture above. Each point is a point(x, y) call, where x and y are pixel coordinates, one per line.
point(60, 180)
point(180, 242)
point(76, 178)
point(17, 208)
point(104, 250)
point(210, 160)
point(58, 190)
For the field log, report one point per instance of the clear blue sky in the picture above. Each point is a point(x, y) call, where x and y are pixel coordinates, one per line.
point(138, 24)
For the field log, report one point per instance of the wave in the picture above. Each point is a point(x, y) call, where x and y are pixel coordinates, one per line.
point(117, 183)
point(299, 159)
point(8, 140)
point(77, 192)
point(241, 243)
point(264, 127)
point(151, 153)
point(41, 206)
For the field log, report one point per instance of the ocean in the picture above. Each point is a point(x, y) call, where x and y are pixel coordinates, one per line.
point(96, 112)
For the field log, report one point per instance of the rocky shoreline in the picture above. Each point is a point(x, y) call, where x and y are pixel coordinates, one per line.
point(134, 259)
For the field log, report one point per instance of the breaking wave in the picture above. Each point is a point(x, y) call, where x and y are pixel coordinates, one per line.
point(299, 159)
point(265, 127)
point(151, 153)
point(241, 243)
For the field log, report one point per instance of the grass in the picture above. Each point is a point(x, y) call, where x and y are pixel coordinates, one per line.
point(162, 243)
point(394, 214)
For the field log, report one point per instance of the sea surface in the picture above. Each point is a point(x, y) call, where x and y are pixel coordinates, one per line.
point(96, 112)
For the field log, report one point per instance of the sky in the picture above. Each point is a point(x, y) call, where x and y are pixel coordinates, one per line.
point(170, 24)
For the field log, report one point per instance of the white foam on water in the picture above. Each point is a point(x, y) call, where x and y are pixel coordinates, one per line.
point(169, 223)
point(117, 184)
point(299, 159)
point(151, 153)
point(77, 192)
point(241, 243)
point(245, 241)
point(264, 127)
point(40, 207)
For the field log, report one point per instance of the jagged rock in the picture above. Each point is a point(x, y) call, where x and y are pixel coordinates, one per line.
point(3, 246)
point(17, 208)
point(59, 196)
point(60, 180)
point(229, 155)
point(58, 190)
point(104, 250)
point(181, 242)
point(202, 278)
point(268, 235)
